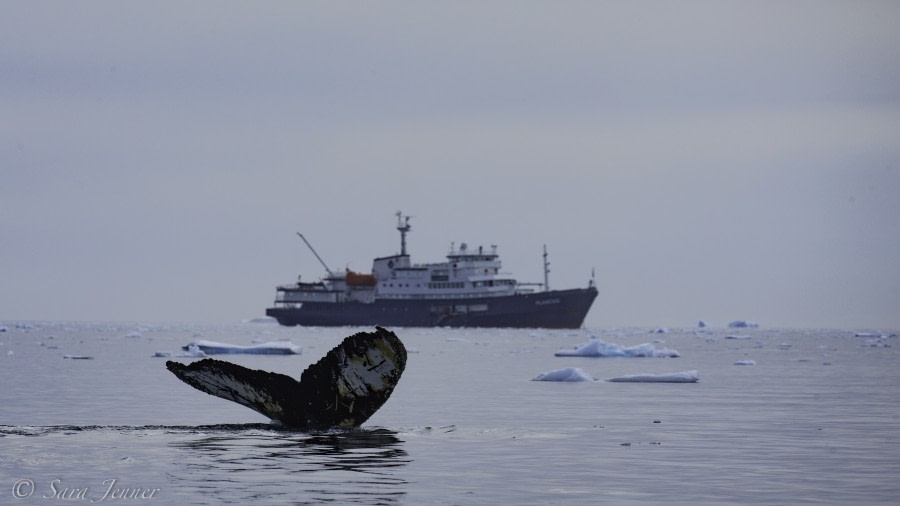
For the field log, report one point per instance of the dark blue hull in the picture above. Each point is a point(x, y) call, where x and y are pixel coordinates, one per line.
point(558, 309)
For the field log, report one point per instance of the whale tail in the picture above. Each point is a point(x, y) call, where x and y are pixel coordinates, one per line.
point(343, 389)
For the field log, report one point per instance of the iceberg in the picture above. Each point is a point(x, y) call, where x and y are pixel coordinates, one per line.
point(569, 374)
point(741, 324)
point(269, 348)
point(597, 348)
point(193, 351)
point(692, 376)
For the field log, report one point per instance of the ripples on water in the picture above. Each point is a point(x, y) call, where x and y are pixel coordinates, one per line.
point(816, 420)
point(228, 463)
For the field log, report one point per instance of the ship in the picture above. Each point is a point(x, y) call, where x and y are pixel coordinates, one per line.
point(467, 290)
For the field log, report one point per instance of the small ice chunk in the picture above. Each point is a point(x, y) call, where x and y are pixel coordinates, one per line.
point(597, 348)
point(3, 328)
point(692, 376)
point(745, 361)
point(702, 324)
point(9, 353)
point(78, 357)
point(133, 335)
point(660, 330)
point(737, 337)
point(163, 354)
point(270, 348)
point(569, 374)
point(742, 324)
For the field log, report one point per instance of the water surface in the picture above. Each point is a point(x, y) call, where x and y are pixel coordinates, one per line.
point(816, 420)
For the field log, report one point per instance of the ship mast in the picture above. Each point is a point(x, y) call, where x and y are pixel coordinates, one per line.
point(403, 226)
point(546, 271)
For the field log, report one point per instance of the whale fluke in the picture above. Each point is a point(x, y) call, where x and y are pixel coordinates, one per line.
point(343, 389)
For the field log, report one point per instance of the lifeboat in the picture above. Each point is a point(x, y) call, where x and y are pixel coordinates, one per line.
point(354, 279)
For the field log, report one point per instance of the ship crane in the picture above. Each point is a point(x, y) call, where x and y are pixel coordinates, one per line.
point(330, 274)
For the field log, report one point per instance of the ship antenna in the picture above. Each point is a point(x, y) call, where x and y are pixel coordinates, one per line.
point(546, 271)
point(403, 226)
point(330, 274)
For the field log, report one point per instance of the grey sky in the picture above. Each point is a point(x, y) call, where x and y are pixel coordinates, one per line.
point(711, 160)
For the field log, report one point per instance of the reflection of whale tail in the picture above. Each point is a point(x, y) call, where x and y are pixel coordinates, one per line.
point(343, 389)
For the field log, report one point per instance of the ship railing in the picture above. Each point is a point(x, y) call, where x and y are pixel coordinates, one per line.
point(468, 295)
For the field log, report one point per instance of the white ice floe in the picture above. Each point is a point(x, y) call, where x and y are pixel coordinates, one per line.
point(134, 335)
point(745, 361)
point(878, 335)
point(570, 374)
point(742, 324)
point(597, 348)
point(193, 351)
point(270, 348)
point(692, 376)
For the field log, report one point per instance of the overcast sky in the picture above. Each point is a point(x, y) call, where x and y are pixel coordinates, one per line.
point(710, 160)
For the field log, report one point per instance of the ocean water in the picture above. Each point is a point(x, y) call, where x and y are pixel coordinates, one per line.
point(815, 420)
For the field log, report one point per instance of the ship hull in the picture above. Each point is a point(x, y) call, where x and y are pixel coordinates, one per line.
point(563, 309)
